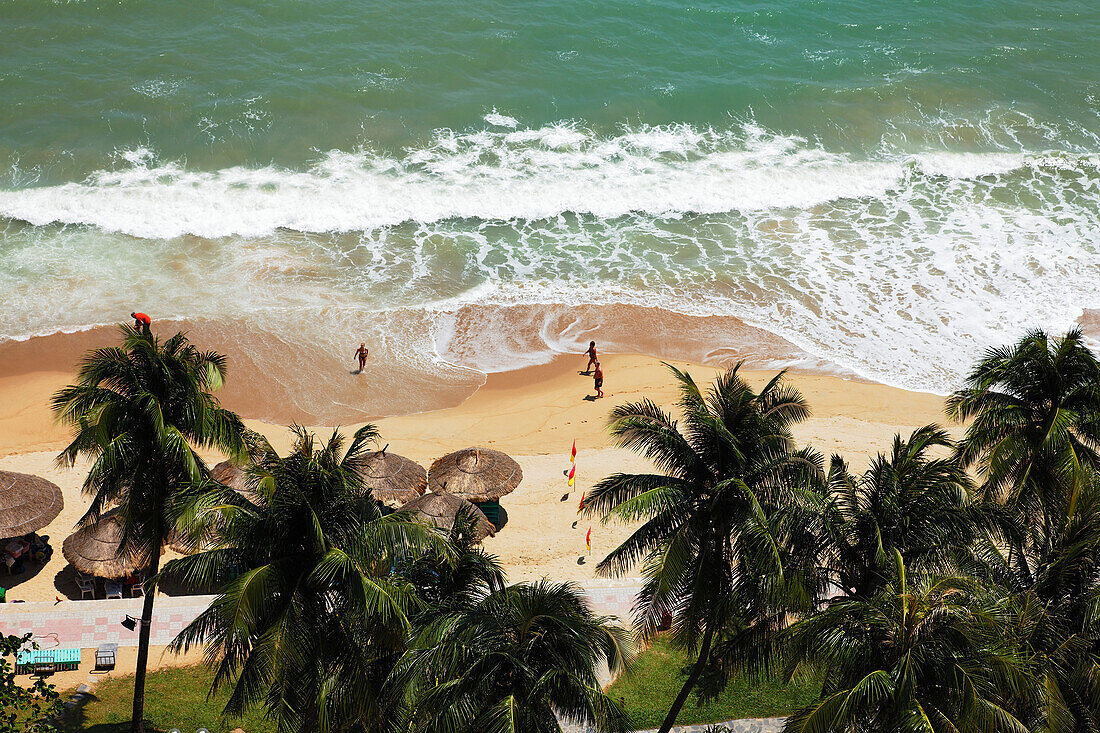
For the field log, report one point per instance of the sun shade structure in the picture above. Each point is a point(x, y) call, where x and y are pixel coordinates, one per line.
point(27, 503)
point(440, 510)
point(93, 550)
point(475, 474)
point(233, 476)
point(393, 480)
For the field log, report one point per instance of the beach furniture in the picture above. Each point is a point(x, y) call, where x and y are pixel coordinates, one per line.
point(478, 475)
point(86, 585)
point(137, 587)
point(393, 480)
point(47, 661)
point(27, 504)
point(105, 656)
point(113, 589)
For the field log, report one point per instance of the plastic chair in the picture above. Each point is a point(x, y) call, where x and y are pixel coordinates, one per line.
point(86, 586)
point(113, 588)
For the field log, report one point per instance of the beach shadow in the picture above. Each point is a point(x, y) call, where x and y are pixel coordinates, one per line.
point(590, 398)
point(585, 374)
point(65, 584)
point(31, 569)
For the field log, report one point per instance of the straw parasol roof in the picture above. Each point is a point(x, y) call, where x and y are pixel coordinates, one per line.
point(392, 479)
point(93, 550)
point(233, 476)
point(27, 503)
point(475, 474)
point(229, 474)
point(440, 510)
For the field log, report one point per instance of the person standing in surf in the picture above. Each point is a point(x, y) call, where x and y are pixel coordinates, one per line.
point(597, 379)
point(362, 352)
point(591, 357)
point(141, 322)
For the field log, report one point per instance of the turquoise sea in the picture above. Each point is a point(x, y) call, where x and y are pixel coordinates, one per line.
point(887, 187)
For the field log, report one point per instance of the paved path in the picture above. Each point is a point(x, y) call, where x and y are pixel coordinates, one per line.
point(89, 623)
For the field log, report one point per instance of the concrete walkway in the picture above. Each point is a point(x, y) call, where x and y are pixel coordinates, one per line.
point(87, 624)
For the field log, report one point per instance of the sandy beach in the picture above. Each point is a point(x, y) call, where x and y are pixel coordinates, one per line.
point(534, 414)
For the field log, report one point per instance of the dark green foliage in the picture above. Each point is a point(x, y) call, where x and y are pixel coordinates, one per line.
point(310, 618)
point(24, 709)
point(140, 412)
point(511, 663)
point(725, 544)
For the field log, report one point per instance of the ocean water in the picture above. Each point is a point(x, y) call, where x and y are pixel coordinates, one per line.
point(884, 188)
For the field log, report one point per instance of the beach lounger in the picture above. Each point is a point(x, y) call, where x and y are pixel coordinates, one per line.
point(105, 656)
point(113, 588)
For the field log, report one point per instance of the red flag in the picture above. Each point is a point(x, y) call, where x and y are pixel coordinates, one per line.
point(572, 473)
point(588, 540)
point(581, 507)
point(573, 453)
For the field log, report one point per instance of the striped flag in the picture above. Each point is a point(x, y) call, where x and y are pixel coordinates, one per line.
point(588, 541)
point(572, 473)
point(573, 453)
point(581, 507)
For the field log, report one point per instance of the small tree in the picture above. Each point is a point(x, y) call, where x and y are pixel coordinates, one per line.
point(24, 709)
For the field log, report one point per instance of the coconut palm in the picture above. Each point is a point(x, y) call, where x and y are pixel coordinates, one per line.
point(727, 542)
point(926, 657)
point(1035, 430)
point(461, 580)
point(514, 662)
point(1051, 609)
point(907, 501)
point(139, 412)
point(310, 617)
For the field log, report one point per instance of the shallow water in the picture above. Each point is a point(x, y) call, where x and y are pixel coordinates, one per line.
point(888, 189)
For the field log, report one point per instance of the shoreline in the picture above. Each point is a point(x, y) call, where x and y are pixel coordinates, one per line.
point(533, 414)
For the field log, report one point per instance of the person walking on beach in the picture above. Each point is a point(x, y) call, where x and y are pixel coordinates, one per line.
point(591, 357)
point(362, 352)
point(598, 379)
point(141, 321)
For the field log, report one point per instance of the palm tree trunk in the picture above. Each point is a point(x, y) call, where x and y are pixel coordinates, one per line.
point(137, 722)
point(696, 670)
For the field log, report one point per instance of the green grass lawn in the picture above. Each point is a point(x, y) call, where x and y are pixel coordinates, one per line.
point(654, 678)
point(174, 698)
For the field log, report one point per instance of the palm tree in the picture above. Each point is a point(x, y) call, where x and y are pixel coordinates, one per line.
point(1050, 611)
point(727, 540)
point(140, 412)
point(1034, 437)
point(513, 663)
point(460, 580)
point(921, 658)
point(1035, 430)
point(311, 616)
point(906, 501)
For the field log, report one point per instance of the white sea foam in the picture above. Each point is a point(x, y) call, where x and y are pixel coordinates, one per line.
point(902, 267)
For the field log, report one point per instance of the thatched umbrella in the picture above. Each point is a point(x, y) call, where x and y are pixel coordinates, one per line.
point(27, 503)
point(93, 550)
point(393, 480)
point(233, 476)
point(441, 509)
point(475, 474)
point(229, 474)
